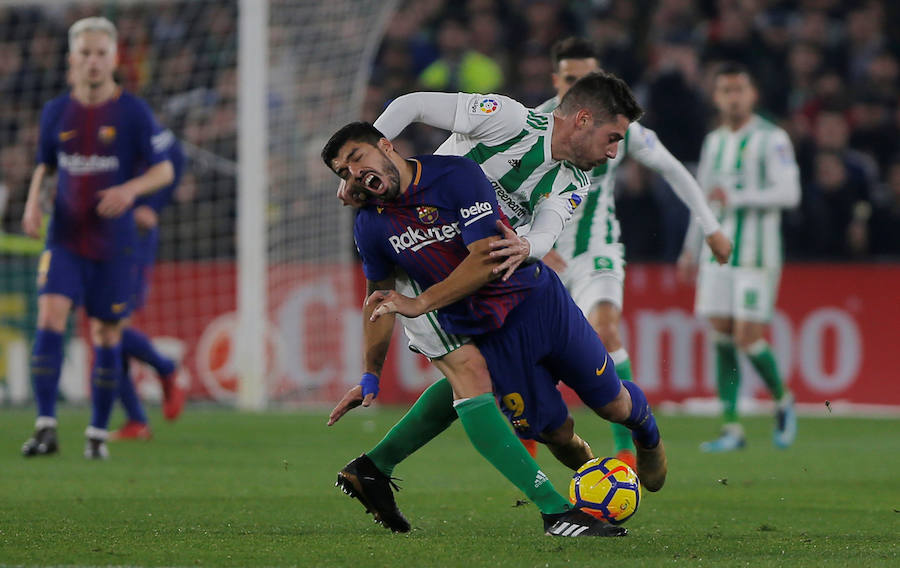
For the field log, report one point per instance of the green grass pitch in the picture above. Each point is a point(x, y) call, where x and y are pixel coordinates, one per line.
point(221, 488)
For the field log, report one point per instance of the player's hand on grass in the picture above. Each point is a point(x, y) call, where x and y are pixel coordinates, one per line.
point(114, 201)
point(687, 267)
point(515, 248)
point(388, 302)
point(555, 261)
point(720, 246)
point(145, 218)
point(32, 219)
point(350, 197)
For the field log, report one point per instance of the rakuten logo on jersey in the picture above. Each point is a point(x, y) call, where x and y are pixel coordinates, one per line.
point(475, 212)
point(415, 239)
point(79, 165)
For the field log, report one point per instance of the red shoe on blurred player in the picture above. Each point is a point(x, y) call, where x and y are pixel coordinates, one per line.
point(132, 430)
point(627, 456)
point(173, 397)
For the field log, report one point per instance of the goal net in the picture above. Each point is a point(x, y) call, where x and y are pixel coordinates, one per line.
point(182, 57)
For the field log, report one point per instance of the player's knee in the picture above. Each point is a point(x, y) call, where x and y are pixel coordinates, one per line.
point(724, 326)
point(747, 334)
point(53, 313)
point(106, 333)
point(467, 371)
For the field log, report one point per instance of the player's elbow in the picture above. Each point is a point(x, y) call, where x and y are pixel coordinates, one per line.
point(166, 173)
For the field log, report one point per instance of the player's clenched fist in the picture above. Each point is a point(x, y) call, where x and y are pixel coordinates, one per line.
point(390, 302)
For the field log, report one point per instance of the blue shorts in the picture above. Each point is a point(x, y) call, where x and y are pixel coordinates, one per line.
point(145, 257)
point(104, 287)
point(546, 339)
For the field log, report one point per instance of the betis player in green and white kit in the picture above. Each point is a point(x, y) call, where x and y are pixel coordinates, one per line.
point(588, 255)
point(747, 167)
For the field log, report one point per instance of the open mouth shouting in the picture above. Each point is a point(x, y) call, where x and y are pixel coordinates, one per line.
point(372, 182)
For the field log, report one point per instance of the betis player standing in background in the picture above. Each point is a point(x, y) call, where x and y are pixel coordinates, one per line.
point(588, 255)
point(99, 139)
point(747, 166)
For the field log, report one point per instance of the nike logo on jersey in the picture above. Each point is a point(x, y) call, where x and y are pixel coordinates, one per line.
point(119, 308)
point(603, 368)
point(67, 135)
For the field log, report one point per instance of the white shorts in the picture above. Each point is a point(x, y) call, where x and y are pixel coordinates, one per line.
point(737, 292)
point(424, 333)
point(596, 276)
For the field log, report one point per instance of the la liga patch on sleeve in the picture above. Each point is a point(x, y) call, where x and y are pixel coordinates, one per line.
point(484, 105)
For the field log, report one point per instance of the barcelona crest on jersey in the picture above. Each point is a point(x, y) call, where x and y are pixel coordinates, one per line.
point(427, 214)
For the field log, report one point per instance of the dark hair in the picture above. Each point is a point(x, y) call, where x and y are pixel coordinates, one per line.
point(356, 132)
point(604, 94)
point(572, 48)
point(733, 68)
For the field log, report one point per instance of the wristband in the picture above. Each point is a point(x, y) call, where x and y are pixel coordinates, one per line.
point(369, 384)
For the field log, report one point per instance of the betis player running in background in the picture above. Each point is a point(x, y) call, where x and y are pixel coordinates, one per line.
point(135, 344)
point(99, 138)
point(588, 255)
point(747, 167)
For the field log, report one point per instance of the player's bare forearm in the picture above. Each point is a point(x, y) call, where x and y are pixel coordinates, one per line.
point(476, 270)
point(32, 218)
point(156, 177)
point(377, 334)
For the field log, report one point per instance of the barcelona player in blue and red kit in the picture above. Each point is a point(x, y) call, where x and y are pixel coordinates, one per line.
point(135, 344)
point(99, 139)
point(434, 218)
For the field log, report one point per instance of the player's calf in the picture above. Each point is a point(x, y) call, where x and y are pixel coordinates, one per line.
point(652, 464)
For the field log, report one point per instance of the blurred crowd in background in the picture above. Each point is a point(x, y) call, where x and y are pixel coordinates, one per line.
point(828, 72)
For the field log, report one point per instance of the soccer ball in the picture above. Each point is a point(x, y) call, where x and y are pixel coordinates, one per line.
point(607, 489)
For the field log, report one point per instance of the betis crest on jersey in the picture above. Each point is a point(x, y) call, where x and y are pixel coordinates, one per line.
point(427, 214)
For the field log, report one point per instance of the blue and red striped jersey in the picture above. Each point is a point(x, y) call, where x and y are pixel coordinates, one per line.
point(94, 148)
point(425, 231)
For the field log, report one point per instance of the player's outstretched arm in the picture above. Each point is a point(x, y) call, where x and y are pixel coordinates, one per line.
point(476, 270)
point(33, 218)
point(117, 199)
point(647, 149)
point(433, 109)
point(376, 341)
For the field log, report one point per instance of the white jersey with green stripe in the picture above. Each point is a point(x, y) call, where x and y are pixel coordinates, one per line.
point(755, 166)
point(511, 143)
point(594, 224)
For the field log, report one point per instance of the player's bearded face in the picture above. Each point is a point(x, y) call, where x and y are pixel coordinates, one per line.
point(375, 175)
point(92, 59)
point(734, 96)
point(596, 143)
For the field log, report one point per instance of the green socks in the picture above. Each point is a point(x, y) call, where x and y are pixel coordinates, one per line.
point(727, 376)
point(491, 435)
point(621, 434)
point(760, 355)
point(431, 414)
